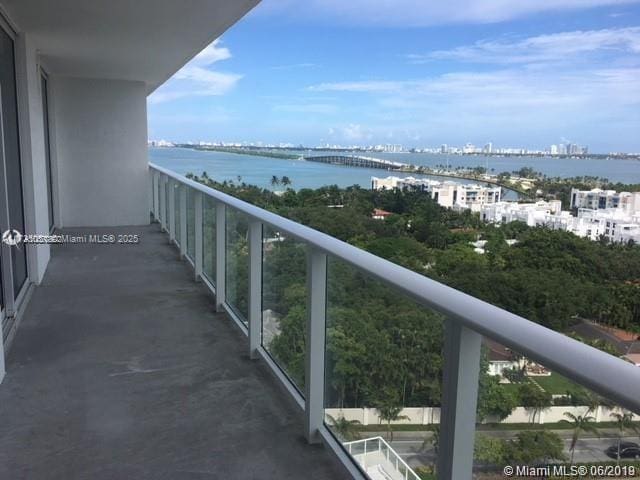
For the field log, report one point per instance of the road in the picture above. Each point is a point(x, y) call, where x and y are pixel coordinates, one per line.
point(409, 446)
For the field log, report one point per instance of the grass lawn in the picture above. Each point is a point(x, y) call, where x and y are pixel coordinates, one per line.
point(511, 387)
point(556, 384)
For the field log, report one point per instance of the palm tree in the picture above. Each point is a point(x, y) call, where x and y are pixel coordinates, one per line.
point(580, 423)
point(624, 420)
point(275, 181)
point(345, 429)
point(285, 181)
point(390, 412)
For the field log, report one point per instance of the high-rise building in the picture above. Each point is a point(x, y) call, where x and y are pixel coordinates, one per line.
point(554, 150)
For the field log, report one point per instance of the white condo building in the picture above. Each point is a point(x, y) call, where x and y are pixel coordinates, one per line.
point(605, 199)
point(447, 194)
point(530, 213)
point(614, 224)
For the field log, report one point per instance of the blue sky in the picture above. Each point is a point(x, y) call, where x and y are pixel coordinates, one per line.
point(518, 73)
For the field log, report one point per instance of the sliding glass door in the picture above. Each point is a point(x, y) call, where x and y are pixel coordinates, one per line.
point(14, 258)
point(47, 146)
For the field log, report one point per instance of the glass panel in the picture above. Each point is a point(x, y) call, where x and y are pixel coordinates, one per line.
point(237, 271)
point(165, 192)
point(383, 368)
point(191, 224)
point(529, 415)
point(209, 239)
point(12, 160)
point(176, 199)
point(284, 302)
point(47, 147)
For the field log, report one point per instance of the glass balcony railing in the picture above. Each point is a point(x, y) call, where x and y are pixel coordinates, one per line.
point(209, 240)
point(284, 303)
point(191, 224)
point(237, 263)
point(364, 346)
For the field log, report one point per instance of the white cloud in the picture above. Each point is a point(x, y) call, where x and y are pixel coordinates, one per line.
point(557, 47)
point(294, 66)
point(355, 132)
point(421, 12)
point(197, 78)
point(360, 86)
point(503, 99)
point(319, 108)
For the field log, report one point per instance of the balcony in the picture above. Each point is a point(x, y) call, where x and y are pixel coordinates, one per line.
point(230, 342)
point(122, 369)
point(159, 357)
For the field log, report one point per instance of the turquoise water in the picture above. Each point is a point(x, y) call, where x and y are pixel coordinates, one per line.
point(259, 170)
point(616, 170)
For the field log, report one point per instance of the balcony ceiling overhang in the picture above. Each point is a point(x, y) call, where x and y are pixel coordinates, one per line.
point(139, 40)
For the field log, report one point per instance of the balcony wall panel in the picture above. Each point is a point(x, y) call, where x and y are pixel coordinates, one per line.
point(101, 135)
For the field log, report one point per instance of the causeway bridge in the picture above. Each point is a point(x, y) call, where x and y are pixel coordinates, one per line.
point(357, 161)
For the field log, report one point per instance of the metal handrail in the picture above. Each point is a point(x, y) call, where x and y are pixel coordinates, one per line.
point(381, 441)
point(605, 374)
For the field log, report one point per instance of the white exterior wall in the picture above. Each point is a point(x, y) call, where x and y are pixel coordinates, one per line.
point(101, 151)
point(32, 150)
point(431, 415)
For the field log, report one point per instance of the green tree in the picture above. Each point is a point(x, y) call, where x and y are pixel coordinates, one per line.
point(493, 398)
point(389, 410)
point(580, 424)
point(534, 399)
point(535, 446)
point(285, 181)
point(624, 422)
point(491, 450)
point(345, 429)
point(275, 181)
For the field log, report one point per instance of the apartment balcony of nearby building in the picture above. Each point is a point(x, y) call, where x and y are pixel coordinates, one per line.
point(184, 333)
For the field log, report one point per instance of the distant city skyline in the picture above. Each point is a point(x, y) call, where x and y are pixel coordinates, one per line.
point(528, 75)
point(489, 147)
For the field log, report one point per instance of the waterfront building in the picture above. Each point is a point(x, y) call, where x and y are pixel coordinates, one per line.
point(448, 194)
point(613, 224)
point(530, 213)
point(598, 199)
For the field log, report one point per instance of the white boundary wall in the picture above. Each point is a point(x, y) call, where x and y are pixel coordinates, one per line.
point(431, 415)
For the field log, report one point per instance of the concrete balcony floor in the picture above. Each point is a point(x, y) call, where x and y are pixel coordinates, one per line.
point(121, 369)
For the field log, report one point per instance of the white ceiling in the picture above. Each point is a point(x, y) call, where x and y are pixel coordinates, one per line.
point(144, 40)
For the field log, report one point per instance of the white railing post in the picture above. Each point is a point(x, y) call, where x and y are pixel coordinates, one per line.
point(163, 202)
point(183, 220)
point(198, 200)
point(255, 287)
point(459, 400)
point(314, 358)
point(221, 255)
point(364, 456)
point(150, 192)
point(172, 210)
point(156, 181)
